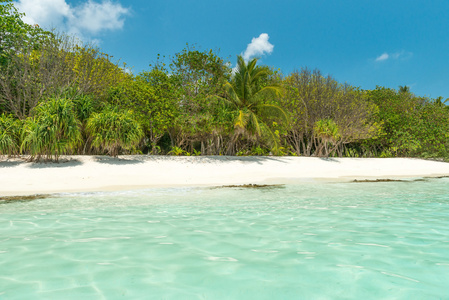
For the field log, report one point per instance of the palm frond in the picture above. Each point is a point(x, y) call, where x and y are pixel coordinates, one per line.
point(274, 110)
point(241, 120)
point(232, 94)
point(254, 124)
point(274, 89)
point(272, 138)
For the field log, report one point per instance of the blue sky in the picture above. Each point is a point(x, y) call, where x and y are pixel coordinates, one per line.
point(362, 42)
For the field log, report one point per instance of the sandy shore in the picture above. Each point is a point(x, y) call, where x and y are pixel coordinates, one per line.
point(102, 173)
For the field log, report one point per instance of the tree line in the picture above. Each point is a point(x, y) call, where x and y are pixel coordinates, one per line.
point(61, 96)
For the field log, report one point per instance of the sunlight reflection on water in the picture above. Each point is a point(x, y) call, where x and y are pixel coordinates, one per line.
point(335, 240)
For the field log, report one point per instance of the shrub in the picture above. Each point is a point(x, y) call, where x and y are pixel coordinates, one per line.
point(9, 135)
point(52, 131)
point(113, 129)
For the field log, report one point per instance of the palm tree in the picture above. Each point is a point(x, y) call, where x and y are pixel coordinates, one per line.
point(245, 94)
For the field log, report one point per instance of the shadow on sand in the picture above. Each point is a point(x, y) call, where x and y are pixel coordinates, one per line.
point(213, 159)
point(23, 160)
point(139, 159)
point(129, 160)
point(10, 164)
point(330, 159)
point(62, 163)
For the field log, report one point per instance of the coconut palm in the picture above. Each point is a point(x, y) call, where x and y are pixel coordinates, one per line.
point(245, 93)
point(52, 131)
point(112, 130)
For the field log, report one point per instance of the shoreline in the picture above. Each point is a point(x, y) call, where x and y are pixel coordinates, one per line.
point(103, 173)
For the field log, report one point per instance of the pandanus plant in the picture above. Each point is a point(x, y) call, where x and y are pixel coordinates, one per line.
point(9, 135)
point(113, 129)
point(53, 130)
point(327, 131)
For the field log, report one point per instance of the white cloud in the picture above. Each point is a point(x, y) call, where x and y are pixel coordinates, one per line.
point(95, 17)
point(383, 57)
point(46, 13)
point(258, 46)
point(87, 18)
point(403, 55)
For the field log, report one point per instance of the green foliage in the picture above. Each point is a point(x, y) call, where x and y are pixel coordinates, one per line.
point(91, 70)
point(413, 126)
point(328, 132)
point(432, 131)
point(245, 94)
point(16, 34)
point(84, 104)
point(150, 96)
point(197, 76)
point(258, 151)
point(113, 129)
point(9, 135)
point(52, 131)
point(19, 42)
point(311, 97)
point(58, 65)
point(178, 152)
point(398, 112)
point(84, 107)
point(198, 73)
point(195, 104)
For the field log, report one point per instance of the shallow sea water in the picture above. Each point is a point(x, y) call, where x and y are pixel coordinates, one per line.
point(308, 241)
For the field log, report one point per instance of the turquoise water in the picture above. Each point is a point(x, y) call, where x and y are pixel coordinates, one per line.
point(309, 241)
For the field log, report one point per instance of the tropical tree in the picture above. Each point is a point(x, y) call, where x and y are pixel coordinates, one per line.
point(52, 131)
point(246, 93)
point(19, 43)
point(58, 64)
point(400, 113)
point(113, 129)
point(16, 34)
point(150, 98)
point(310, 97)
point(202, 122)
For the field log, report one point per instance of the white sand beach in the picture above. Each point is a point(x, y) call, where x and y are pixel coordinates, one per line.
point(103, 173)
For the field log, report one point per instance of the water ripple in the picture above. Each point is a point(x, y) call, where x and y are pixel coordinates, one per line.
point(230, 244)
point(214, 258)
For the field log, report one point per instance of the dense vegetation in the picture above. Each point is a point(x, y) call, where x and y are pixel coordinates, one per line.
point(59, 96)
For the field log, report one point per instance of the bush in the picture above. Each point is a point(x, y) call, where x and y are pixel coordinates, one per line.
point(113, 129)
point(9, 135)
point(52, 131)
